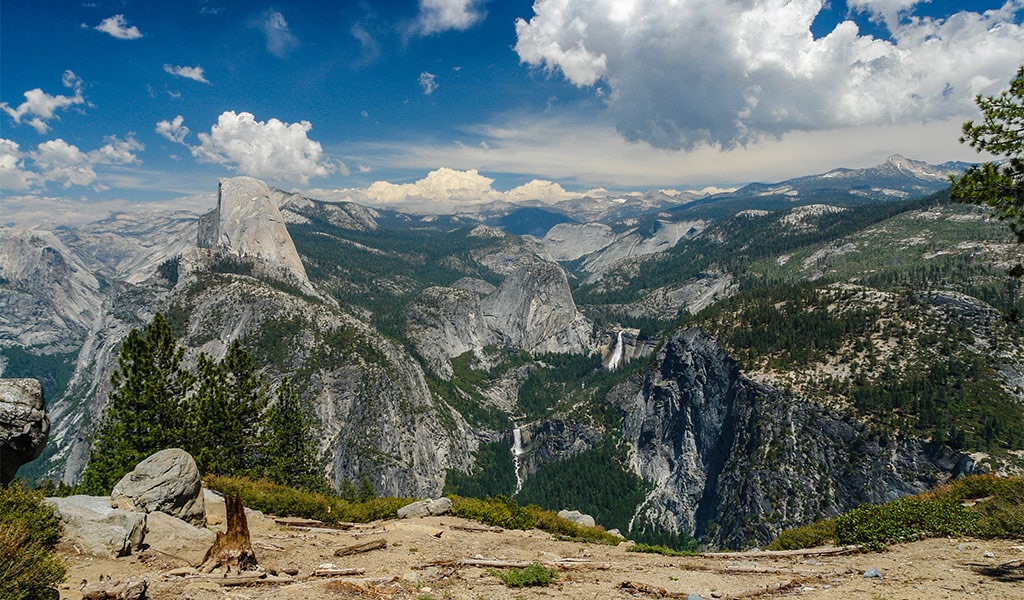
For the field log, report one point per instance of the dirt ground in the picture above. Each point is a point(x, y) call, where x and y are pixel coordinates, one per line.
point(930, 569)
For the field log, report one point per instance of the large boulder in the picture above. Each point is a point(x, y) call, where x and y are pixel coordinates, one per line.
point(96, 528)
point(168, 482)
point(170, 536)
point(24, 425)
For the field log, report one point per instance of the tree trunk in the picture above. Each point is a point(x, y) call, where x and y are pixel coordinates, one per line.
point(232, 550)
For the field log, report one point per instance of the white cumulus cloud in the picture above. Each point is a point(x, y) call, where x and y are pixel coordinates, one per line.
point(173, 130)
point(13, 175)
point(269, 149)
point(442, 185)
point(67, 165)
point(437, 16)
point(540, 189)
point(447, 187)
point(117, 26)
point(680, 73)
point(40, 107)
point(428, 81)
point(194, 73)
point(280, 39)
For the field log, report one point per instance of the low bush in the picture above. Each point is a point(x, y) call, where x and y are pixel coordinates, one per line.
point(276, 499)
point(984, 506)
point(903, 520)
point(533, 574)
point(29, 565)
point(503, 512)
point(658, 549)
point(818, 533)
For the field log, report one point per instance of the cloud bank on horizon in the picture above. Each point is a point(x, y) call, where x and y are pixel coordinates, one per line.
point(674, 79)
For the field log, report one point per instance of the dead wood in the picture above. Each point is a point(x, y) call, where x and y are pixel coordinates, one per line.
point(477, 528)
point(300, 523)
point(826, 551)
point(768, 589)
point(494, 563)
point(637, 587)
point(361, 547)
point(232, 550)
point(336, 572)
point(128, 589)
point(368, 532)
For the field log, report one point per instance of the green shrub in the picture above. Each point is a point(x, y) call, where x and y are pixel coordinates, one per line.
point(903, 520)
point(818, 533)
point(498, 511)
point(533, 574)
point(28, 533)
point(276, 499)
point(657, 549)
point(503, 512)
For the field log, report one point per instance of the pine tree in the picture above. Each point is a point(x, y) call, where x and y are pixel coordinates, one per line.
point(226, 411)
point(288, 449)
point(145, 412)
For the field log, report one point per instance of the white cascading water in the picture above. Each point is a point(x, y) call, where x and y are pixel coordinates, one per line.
point(517, 451)
point(616, 358)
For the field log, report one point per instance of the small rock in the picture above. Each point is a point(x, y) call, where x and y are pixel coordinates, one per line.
point(424, 508)
point(989, 555)
point(577, 517)
point(872, 573)
point(693, 597)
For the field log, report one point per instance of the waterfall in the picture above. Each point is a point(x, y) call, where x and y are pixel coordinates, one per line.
point(616, 358)
point(517, 451)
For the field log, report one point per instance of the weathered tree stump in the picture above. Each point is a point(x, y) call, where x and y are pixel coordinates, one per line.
point(232, 550)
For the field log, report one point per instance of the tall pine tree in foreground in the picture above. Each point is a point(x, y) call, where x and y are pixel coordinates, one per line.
point(146, 409)
point(225, 414)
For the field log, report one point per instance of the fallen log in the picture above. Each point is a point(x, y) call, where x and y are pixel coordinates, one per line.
point(368, 532)
point(302, 523)
point(825, 551)
point(768, 589)
point(361, 547)
point(637, 587)
point(336, 572)
point(494, 563)
point(477, 528)
point(128, 589)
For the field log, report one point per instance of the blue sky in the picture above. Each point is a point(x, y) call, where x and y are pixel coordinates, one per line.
point(464, 100)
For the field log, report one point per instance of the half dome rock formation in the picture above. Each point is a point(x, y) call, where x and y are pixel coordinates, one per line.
point(248, 224)
point(24, 425)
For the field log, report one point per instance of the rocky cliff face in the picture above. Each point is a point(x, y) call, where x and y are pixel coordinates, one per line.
point(23, 425)
point(733, 461)
point(247, 223)
point(51, 299)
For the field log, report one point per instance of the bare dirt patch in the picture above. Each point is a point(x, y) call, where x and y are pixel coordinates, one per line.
point(419, 563)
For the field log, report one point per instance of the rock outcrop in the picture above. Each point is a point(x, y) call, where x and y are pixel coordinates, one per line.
point(167, 481)
point(96, 528)
point(533, 309)
point(733, 461)
point(24, 425)
point(248, 224)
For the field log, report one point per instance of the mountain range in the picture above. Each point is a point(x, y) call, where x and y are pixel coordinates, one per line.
point(665, 361)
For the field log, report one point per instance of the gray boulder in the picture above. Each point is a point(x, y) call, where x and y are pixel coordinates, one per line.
point(425, 508)
point(168, 482)
point(96, 528)
point(24, 425)
point(170, 536)
point(577, 517)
